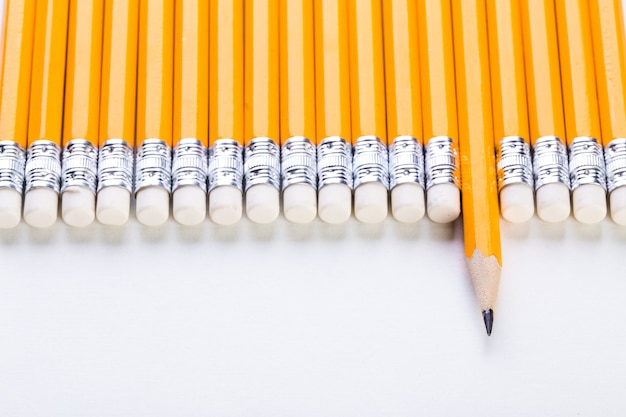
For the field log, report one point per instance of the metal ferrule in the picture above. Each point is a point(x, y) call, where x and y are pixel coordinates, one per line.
point(370, 161)
point(79, 165)
point(550, 162)
point(153, 165)
point(441, 162)
point(43, 165)
point(115, 165)
point(406, 161)
point(334, 162)
point(12, 164)
point(586, 162)
point(190, 164)
point(615, 160)
point(226, 164)
point(514, 163)
point(261, 163)
point(298, 162)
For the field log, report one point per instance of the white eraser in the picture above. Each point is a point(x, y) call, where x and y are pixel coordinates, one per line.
point(553, 202)
point(225, 205)
point(41, 207)
point(589, 203)
point(78, 206)
point(443, 203)
point(189, 205)
point(371, 202)
point(407, 202)
point(262, 203)
point(334, 203)
point(300, 203)
point(152, 206)
point(617, 203)
point(113, 206)
point(517, 202)
point(10, 208)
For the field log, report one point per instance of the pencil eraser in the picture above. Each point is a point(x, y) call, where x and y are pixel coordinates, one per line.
point(152, 206)
point(407, 202)
point(617, 204)
point(371, 202)
point(300, 203)
point(10, 208)
point(78, 206)
point(41, 207)
point(189, 205)
point(262, 203)
point(589, 203)
point(113, 206)
point(334, 203)
point(443, 203)
point(225, 205)
point(553, 202)
point(517, 202)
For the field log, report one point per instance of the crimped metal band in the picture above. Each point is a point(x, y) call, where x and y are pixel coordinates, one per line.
point(334, 162)
point(12, 165)
point(79, 166)
point(514, 163)
point(190, 164)
point(226, 164)
point(406, 161)
point(550, 162)
point(586, 162)
point(43, 165)
point(370, 161)
point(298, 162)
point(615, 160)
point(441, 162)
point(261, 163)
point(154, 165)
point(115, 165)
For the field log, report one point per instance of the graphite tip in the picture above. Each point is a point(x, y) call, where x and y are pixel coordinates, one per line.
point(488, 318)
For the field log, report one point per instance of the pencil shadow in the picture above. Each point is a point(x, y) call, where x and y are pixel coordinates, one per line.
point(263, 232)
point(588, 232)
point(407, 231)
point(333, 231)
point(443, 232)
point(153, 234)
point(191, 234)
point(299, 232)
point(225, 233)
point(550, 231)
point(370, 231)
point(515, 230)
point(113, 235)
point(11, 236)
point(42, 236)
point(618, 232)
point(81, 234)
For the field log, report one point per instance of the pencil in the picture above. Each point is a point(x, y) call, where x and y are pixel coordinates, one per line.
point(261, 111)
point(15, 72)
point(545, 110)
point(582, 119)
point(332, 109)
point(510, 111)
point(297, 111)
point(45, 118)
point(117, 111)
point(191, 111)
point(404, 110)
point(155, 77)
point(479, 187)
point(226, 78)
point(439, 111)
point(367, 97)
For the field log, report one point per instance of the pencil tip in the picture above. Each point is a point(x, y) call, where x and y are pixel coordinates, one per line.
point(488, 318)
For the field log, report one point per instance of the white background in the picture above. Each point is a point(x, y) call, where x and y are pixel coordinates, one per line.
point(316, 320)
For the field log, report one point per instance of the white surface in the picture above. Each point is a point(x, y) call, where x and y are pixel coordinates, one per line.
point(443, 203)
point(113, 206)
point(262, 203)
point(10, 208)
point(189, 205)
point(408, 202)
point(371, 202)
point(152, 206)
point(300, 203)
point(225, 205)
point(41, 207)
point(553, 202)
point(589, 203)
point(334, 203)
point(78, 206)
point(517, 202)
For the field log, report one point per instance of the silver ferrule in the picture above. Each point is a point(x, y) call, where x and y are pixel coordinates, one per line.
point(334, 162)
point(615, 160)
point(115, 165)
point(12, 165)
point(406, 161)
point(441, 162)
point(370, 161)
point(586, 162)
point(226, 164)
point(79, 167)
point(153, 165)
point(190, 164)
point(298, 162)
point(261, 163)
point(43, 165)
point(514, 163)
point(550, 162)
